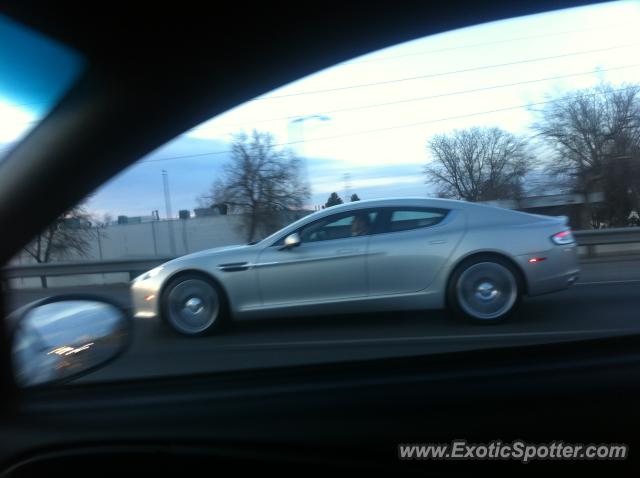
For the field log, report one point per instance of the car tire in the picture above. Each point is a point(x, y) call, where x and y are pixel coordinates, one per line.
point(194, 305)
point(484, 290)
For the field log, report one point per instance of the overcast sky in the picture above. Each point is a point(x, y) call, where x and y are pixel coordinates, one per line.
point(380, 110)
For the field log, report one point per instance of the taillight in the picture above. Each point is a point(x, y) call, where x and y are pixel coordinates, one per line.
point(562, 238)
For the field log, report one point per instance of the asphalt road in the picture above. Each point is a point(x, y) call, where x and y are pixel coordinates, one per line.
point(606, 301)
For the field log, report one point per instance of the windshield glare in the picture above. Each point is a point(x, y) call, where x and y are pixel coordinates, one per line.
point(415, 194)
point(35, 73)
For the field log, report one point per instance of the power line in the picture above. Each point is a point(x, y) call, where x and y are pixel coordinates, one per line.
point(427, 52)
point(473, 45)
point(433, 75)
point(420, 123)
point(389, 128)
point(421, 98)
point(390, 103)
point(452, 72)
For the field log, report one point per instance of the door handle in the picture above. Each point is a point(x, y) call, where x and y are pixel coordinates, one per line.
point(345, 251)
point(439, 241)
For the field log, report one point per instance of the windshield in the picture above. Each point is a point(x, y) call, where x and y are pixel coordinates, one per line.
point(486, 175)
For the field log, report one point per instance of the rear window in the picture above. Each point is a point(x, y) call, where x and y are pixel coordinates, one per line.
point(404, 220)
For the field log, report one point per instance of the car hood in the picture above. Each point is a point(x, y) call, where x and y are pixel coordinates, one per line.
point(211, 252)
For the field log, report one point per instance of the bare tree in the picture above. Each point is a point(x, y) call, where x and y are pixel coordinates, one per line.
point(69, 234)
point(106, 221)
point(261, 182)
point(478, 164)
point(590, 131)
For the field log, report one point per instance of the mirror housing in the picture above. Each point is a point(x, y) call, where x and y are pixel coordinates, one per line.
point(292, 240)
point(62, 338)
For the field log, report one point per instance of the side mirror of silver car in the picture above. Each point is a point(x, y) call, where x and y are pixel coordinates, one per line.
point(61, 338)
point(292, 240)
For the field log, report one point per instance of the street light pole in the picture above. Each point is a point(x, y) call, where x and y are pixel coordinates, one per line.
point(299, 121)
point(167, 203)
point(347, 186)
point(299, 142)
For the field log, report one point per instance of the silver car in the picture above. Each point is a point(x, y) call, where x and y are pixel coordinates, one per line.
point(380, 255)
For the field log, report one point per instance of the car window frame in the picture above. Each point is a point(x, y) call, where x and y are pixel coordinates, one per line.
point(383, 227)
point(330, 218)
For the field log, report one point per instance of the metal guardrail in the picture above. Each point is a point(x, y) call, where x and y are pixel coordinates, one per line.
point(602, 237)
point(596, 237)
point(132, 266)
point(136, 266)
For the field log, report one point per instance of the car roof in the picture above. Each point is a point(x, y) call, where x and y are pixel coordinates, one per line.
point(410, 201)
point(413, 201)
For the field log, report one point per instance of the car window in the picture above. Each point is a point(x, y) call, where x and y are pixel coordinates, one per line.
point(344, 226)
point(403, 220)
point(529, 126)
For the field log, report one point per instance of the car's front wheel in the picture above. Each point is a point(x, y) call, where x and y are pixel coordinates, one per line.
point(484, 290)
point(193, 305)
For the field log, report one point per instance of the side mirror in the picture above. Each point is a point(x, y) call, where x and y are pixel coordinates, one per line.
point(62, 338)
point(292, 240)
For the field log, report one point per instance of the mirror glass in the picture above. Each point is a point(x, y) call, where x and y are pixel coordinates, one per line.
point(60, 340)
point(292, 240)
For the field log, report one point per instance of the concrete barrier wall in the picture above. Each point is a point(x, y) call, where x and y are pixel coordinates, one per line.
point(154, 238)
point(149, 239)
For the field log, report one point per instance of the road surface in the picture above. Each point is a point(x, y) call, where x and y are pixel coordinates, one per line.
point(606, 301)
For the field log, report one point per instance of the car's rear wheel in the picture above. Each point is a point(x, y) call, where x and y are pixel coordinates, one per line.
point(193, 305)
point(485, 290)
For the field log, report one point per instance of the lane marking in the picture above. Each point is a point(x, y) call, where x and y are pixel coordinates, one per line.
point(604, 282)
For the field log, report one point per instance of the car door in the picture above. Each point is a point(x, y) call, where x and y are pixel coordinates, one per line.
point(410, 247)
point(329, 264)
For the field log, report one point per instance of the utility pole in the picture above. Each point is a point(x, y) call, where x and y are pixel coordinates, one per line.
point(99, 242)
point(167, 202)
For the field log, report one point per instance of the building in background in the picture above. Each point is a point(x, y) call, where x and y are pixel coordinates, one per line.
point(570, 205)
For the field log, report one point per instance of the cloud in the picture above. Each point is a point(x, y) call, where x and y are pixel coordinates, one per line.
point(361, 184)
point(327, 176)
point(139, 189)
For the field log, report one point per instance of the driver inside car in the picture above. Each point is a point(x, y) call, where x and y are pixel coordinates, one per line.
point(360, 225)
